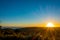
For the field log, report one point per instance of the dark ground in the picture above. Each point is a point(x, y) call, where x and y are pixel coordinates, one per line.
point(30, 33)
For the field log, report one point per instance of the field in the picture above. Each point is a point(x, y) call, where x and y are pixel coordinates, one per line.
point(30, 33)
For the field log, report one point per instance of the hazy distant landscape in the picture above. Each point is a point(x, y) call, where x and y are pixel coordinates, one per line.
point(30, 33)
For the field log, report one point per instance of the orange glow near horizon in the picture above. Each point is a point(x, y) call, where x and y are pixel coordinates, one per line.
point(33, 25)
point(50, 25)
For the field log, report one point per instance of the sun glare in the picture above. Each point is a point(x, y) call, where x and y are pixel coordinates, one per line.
point(50, 24)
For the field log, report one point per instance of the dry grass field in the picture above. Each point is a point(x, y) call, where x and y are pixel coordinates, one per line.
point(30, 33)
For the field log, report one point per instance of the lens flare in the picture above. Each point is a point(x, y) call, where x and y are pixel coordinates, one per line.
point(50, 24)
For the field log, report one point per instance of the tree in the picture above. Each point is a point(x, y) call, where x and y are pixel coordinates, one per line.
point(0, 24)
point(0, 27)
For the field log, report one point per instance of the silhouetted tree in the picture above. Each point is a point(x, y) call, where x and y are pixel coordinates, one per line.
point(0, 24)
point(0, 27)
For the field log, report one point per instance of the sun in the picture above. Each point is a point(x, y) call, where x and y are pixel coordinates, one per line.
point(50, 24)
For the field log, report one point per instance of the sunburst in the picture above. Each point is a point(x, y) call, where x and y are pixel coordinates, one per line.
point(50, 24)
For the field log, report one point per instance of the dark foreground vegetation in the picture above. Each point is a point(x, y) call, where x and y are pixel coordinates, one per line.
point(31, 33)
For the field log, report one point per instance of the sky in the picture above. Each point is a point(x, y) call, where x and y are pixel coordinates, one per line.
point(29, 12)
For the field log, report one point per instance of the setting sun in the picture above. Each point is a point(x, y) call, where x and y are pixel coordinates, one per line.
point(50, 24)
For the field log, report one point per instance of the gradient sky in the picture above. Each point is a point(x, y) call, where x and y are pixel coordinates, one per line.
point(28, 12)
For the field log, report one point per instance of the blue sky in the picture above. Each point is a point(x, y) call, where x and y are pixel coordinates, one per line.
point(29, 11)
